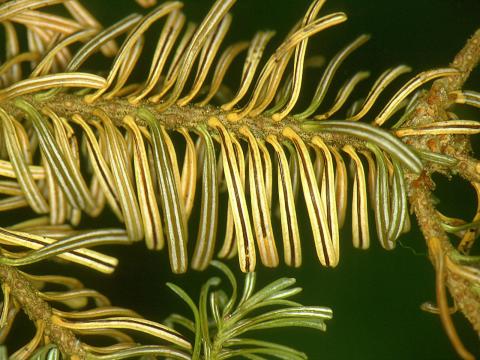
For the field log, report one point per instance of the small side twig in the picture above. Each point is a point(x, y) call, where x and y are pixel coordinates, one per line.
point(468, 168)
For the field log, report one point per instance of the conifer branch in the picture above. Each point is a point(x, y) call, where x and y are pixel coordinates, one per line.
point(39, 310)
point(432, 108)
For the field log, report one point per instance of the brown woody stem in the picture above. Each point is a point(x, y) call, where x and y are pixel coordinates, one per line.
point(433, 107)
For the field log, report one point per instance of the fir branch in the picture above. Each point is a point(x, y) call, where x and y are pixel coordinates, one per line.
point(221, 320)
point(118, 107)
point(432, 108)
point(39, 311)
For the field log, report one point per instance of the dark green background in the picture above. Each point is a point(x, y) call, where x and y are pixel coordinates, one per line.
point(375, 294)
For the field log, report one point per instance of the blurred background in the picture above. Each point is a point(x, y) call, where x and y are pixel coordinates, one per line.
point(375, 294)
